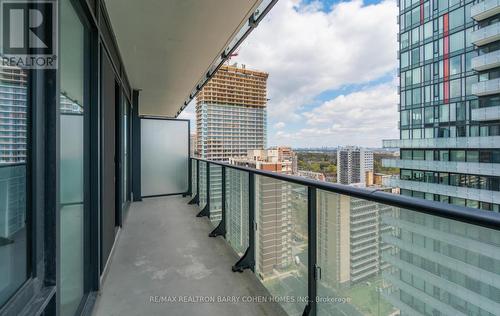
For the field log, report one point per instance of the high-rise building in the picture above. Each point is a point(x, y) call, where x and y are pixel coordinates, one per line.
point(13, 114)
point(231, 113)
point(352, 164)
point(349, 234)
point(13, 147)
point(449, 105)
point(449, 152)
point(193, 140)
point(273, 210)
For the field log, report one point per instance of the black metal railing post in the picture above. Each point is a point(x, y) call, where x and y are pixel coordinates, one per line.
point(248, 259)
point(220, 230)
point(312, 267)
point(190, 178)
point(196, 198)
point(206, 210)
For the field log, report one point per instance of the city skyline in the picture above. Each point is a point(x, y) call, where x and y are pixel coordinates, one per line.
point(320, 103)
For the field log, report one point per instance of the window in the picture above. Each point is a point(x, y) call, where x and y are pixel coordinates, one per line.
point(416, 117)
point(404, 60)
point(443, 5)
point(457, 41)
point(443, 178)
point(457, 155)
point(405, 118)
point(404, 40)
point(444, 155)
point(444, 115)
point(406, 154)
point(429, 155)
point(429, 115)
point(455, 88)
point(456, 18)
point(416, 76)
point(415, 15)
point(418, 155)
point(428, 30)
point(414, 36)
point(472, 156)
point(461, 111)
point(415, 56)
point(455, 65)
point(405, 174)
point(13, 183)
point(428, 51)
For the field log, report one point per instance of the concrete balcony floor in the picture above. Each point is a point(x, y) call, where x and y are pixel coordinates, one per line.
point(164, 250)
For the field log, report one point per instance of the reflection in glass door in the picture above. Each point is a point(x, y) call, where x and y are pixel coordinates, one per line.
point(73, 108)
point(13, 182)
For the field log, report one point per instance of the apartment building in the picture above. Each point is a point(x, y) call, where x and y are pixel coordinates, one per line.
point(231, 113)
point(352, 164)
point(13, 114)
point(349, 234)
point(273, 210)
point(449, 152)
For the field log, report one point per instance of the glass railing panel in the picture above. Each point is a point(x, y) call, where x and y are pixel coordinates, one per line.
point(377, 259)
point(349, 256)
point(281, 243)
point(203, 184)
point(237, 210)
point(193, 177)
point(215, 188)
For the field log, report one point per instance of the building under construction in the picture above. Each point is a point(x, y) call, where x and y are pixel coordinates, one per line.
point(231, 113)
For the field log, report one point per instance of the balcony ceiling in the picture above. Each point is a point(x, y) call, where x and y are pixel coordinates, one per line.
point(168, 45)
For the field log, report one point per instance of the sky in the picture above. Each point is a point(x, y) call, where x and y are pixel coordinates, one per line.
point(332, 72)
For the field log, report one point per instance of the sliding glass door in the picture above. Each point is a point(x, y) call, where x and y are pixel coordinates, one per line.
point(73, 109)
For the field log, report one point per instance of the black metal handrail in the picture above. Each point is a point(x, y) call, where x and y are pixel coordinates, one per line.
point(247, 261)
point(454, 212)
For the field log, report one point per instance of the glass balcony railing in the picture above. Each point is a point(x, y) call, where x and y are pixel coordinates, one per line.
point(326, 249)
point(451, 142)
point(486, 114)
point(486, 87)
point(476, 168)
point(486, 34)
point(485, 9)
point(486, 61)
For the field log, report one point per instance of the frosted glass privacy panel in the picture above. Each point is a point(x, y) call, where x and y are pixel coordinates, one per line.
point(164, 156)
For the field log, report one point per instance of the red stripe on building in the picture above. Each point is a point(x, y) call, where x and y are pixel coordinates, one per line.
point(421, 11)
point(446, 61)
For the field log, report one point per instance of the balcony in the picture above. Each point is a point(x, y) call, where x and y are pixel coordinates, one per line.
point(448, 190)
point(486, 34)
point(485, 9)
point(150, 262)
point(445, 166)
point(491, 113)
point(486, 61)
point(487, 87)
point(452, 142)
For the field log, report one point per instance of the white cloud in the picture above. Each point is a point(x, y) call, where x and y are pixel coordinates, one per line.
point(360, 118)
point(307, 51)
point(280, 125)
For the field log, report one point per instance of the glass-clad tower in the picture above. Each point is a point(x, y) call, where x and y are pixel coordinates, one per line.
point(449, 102)
point(450, 152)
